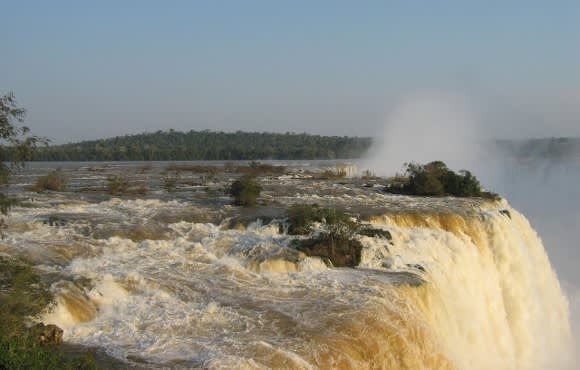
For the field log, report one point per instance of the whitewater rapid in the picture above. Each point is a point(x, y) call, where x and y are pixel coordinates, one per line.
point(462, 285)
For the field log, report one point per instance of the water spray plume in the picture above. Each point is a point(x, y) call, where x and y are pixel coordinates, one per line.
point(424, 128)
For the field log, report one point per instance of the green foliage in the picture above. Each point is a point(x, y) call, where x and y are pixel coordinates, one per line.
point(207, 145)
point(16, 144)
point(117, 184)
point(337, 241)
point(245, 191)
point(436, 179)
point(301, 218)
point(24, 353)
point(23, 294)
point(54, 181)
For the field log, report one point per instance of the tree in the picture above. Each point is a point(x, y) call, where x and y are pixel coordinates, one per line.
point(16, 143)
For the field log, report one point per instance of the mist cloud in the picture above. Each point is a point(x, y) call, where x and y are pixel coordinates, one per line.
point(424, 128)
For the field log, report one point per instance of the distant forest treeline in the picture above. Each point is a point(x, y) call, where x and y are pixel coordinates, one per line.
point(207, 145)
point(555, 148)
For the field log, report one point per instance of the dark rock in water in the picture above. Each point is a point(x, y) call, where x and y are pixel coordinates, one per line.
point(505, 212)
point(47, 334)
point(341, 252)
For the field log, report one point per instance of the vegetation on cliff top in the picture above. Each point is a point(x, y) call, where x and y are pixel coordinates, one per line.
point(435, 179)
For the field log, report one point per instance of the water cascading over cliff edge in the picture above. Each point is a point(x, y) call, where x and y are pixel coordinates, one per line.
point(490, 299)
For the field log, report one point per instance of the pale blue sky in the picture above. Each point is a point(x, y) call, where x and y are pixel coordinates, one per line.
point(105, 68)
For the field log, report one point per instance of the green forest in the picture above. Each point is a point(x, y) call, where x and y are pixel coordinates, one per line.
point(207, 145)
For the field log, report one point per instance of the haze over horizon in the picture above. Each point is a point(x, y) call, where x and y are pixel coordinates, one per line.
point(333, 68)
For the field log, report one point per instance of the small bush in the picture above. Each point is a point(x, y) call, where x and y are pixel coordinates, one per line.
point(338, 241)
point(301, 218)
point(54, 181)
point(245, 191)
point(117, 184)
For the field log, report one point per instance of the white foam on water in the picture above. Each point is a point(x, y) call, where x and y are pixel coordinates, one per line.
point(245, 299)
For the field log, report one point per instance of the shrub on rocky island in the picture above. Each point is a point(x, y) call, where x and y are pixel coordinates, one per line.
point(337, 240)
point(435, 179)
point(302, 217)
point(342, 251)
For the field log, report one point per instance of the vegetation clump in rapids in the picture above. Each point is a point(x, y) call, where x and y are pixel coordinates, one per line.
point(245, 191)
point(53, 181)
point(337, 240)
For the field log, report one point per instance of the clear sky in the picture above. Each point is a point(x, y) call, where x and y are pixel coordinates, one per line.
point(104, 68)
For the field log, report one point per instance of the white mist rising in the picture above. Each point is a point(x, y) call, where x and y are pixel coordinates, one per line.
point(425, 128)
